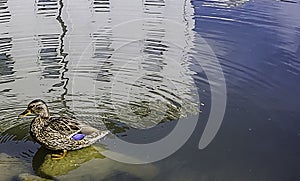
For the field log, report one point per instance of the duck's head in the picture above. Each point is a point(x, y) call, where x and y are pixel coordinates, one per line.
point(37, 107)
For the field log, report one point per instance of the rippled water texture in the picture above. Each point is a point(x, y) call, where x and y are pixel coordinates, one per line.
point(137, 67)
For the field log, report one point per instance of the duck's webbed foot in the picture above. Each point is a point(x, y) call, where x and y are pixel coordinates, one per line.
point(59, 156)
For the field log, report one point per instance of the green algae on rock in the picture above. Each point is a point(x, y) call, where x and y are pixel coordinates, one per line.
point(73, 160)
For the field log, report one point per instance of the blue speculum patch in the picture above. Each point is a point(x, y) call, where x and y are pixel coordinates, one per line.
point(78, 136)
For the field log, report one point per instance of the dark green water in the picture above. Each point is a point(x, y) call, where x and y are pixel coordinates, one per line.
point(144, 70)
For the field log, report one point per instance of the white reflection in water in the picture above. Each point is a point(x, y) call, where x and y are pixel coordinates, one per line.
point(126, 60)
point(136, 67)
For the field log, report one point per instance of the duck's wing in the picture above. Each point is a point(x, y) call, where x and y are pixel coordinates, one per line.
point(64, 126)
point(73, 129)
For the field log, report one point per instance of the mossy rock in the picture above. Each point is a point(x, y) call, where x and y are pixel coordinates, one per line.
point(50, 168)
point(29, 177)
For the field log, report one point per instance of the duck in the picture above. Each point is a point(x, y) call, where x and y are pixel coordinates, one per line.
point(59, 133)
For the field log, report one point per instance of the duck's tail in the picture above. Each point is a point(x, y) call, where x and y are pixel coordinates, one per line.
point(97, 135)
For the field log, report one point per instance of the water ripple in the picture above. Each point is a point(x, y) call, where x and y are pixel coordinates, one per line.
point(47, 8)
point(223, 3)
point(101, 6)
point(4, 12)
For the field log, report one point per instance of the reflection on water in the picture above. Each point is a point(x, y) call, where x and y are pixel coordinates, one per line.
point(6, 65)
point(49, 56)
point(131, 61)
point(47, 8)
point(100, 6)
point(224, 3)
point(5, 15)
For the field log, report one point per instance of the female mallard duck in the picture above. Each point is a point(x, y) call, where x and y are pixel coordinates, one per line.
point(59, 133)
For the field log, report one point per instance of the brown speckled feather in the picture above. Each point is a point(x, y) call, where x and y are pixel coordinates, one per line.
point(59, 133)
point(56, 133)
point(64, 126)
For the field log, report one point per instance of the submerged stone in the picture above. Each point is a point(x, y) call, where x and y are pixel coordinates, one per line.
point(73, 160)
point(11, 166)
point(29, 177)
point(89, 164)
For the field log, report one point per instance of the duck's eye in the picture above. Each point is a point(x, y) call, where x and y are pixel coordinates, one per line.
point(39, 108)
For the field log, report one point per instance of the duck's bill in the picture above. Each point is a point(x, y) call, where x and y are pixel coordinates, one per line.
point(25, 113)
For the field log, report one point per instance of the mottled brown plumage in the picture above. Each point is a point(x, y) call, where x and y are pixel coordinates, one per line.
point(59, 133)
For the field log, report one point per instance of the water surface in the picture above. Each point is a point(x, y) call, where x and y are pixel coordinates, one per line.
point(136, 68)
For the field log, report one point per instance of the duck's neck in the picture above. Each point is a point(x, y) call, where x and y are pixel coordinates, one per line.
point(41, 120)
point(37, 128)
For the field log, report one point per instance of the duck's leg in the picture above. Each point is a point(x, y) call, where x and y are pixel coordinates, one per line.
point(59, 156)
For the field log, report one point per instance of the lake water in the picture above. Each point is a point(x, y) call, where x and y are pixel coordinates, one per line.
point(159, 75)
